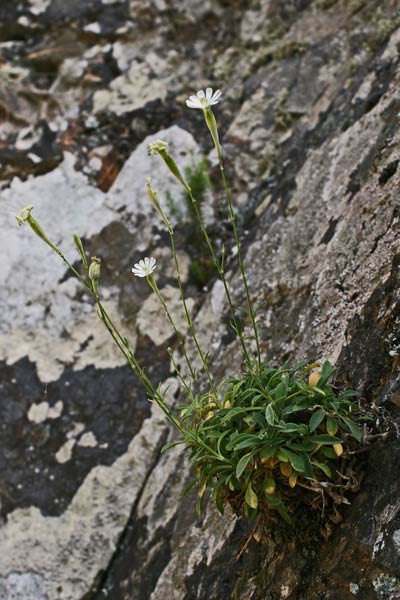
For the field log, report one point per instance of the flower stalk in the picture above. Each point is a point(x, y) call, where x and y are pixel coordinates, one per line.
point(213, 128)
point(155, 202)
point(219, 265)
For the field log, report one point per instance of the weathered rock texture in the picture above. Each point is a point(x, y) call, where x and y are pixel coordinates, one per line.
point(310, 126)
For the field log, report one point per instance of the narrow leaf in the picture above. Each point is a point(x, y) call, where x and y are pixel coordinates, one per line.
point(316, 419)
point(324, 439)
point(242, 464)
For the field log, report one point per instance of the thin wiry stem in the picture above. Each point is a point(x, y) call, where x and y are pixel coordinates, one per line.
point(212, 125)
point(152, 283)
point(172, 166)
point(152, 194)
point(221, 272)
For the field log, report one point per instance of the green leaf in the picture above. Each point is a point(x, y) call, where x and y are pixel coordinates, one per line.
point(323, 467)
point(259, 419)
point(267, 452)
point(282, 455)
point(331, 425)
point(270, 415)
point(316, 419)
point(280, 392)
point(188, 487)
point(290, 427)
point(219, 504)
point(296, 461)
point(171, 445)
point(284, 514)
point(325, 439)
point(327, 371)
point(79, 246)
point(251, 441)
point(242, 464)
point(328, 452)
point(308, 471)
point(251, 497)
point(353, 428)
point(273, 501)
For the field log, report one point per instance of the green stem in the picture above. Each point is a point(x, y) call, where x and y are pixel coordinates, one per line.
point(172, 166)
point(152, 283)
point(126, 350)
point(221, 273)
point(188, 316)
point(212, 125)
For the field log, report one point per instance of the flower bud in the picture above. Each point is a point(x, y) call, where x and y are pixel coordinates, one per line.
point(24, 215)
point(94, 269)
point(158, 147)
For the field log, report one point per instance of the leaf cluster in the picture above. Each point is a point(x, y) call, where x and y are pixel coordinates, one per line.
point(271, 439)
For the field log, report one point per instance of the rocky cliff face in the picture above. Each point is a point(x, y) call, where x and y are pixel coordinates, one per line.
point(310, 126)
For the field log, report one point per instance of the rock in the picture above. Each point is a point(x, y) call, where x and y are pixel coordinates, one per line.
point(130, 92)
point(309, 128)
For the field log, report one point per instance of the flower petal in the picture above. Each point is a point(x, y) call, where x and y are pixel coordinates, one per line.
point(216, 95)
point(209, 93)
point(201, 94)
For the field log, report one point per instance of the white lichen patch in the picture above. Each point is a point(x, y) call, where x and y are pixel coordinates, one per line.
point(22, 586)
point(130, 91)
point(40, 412)
point(75, 431)
point(354, 588)
point(88, 440)
point(387, 587)
point(39, 6)
point(37, 413)
point(396, 539)
point(51, 354)
point(64, 454)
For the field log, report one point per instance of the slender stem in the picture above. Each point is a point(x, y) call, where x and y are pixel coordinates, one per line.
point(221, 273)
point(173, 167)
point(211, 123)
point(179, 374)
point(188, 316)
point(152, 194)
point(189, 436)
point(154, 287)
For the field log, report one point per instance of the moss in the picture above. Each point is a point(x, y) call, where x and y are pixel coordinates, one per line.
point(356, 5)
point(325, 4)
point(384, 28)
point(283, 118)
point(279, 52)
point(353, 67)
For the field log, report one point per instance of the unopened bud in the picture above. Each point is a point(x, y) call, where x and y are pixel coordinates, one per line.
point(94, 269)
point(24, 215)
point(158, 147)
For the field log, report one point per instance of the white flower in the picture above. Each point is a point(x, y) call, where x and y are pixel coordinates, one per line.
point(144, 267)
point(203, 99)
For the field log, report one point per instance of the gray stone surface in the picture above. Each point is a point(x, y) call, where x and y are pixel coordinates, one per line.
point(310, 127)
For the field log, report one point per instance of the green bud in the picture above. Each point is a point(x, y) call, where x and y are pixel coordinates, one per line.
point(94, 269)
point(158, 147)
point(24, 215)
